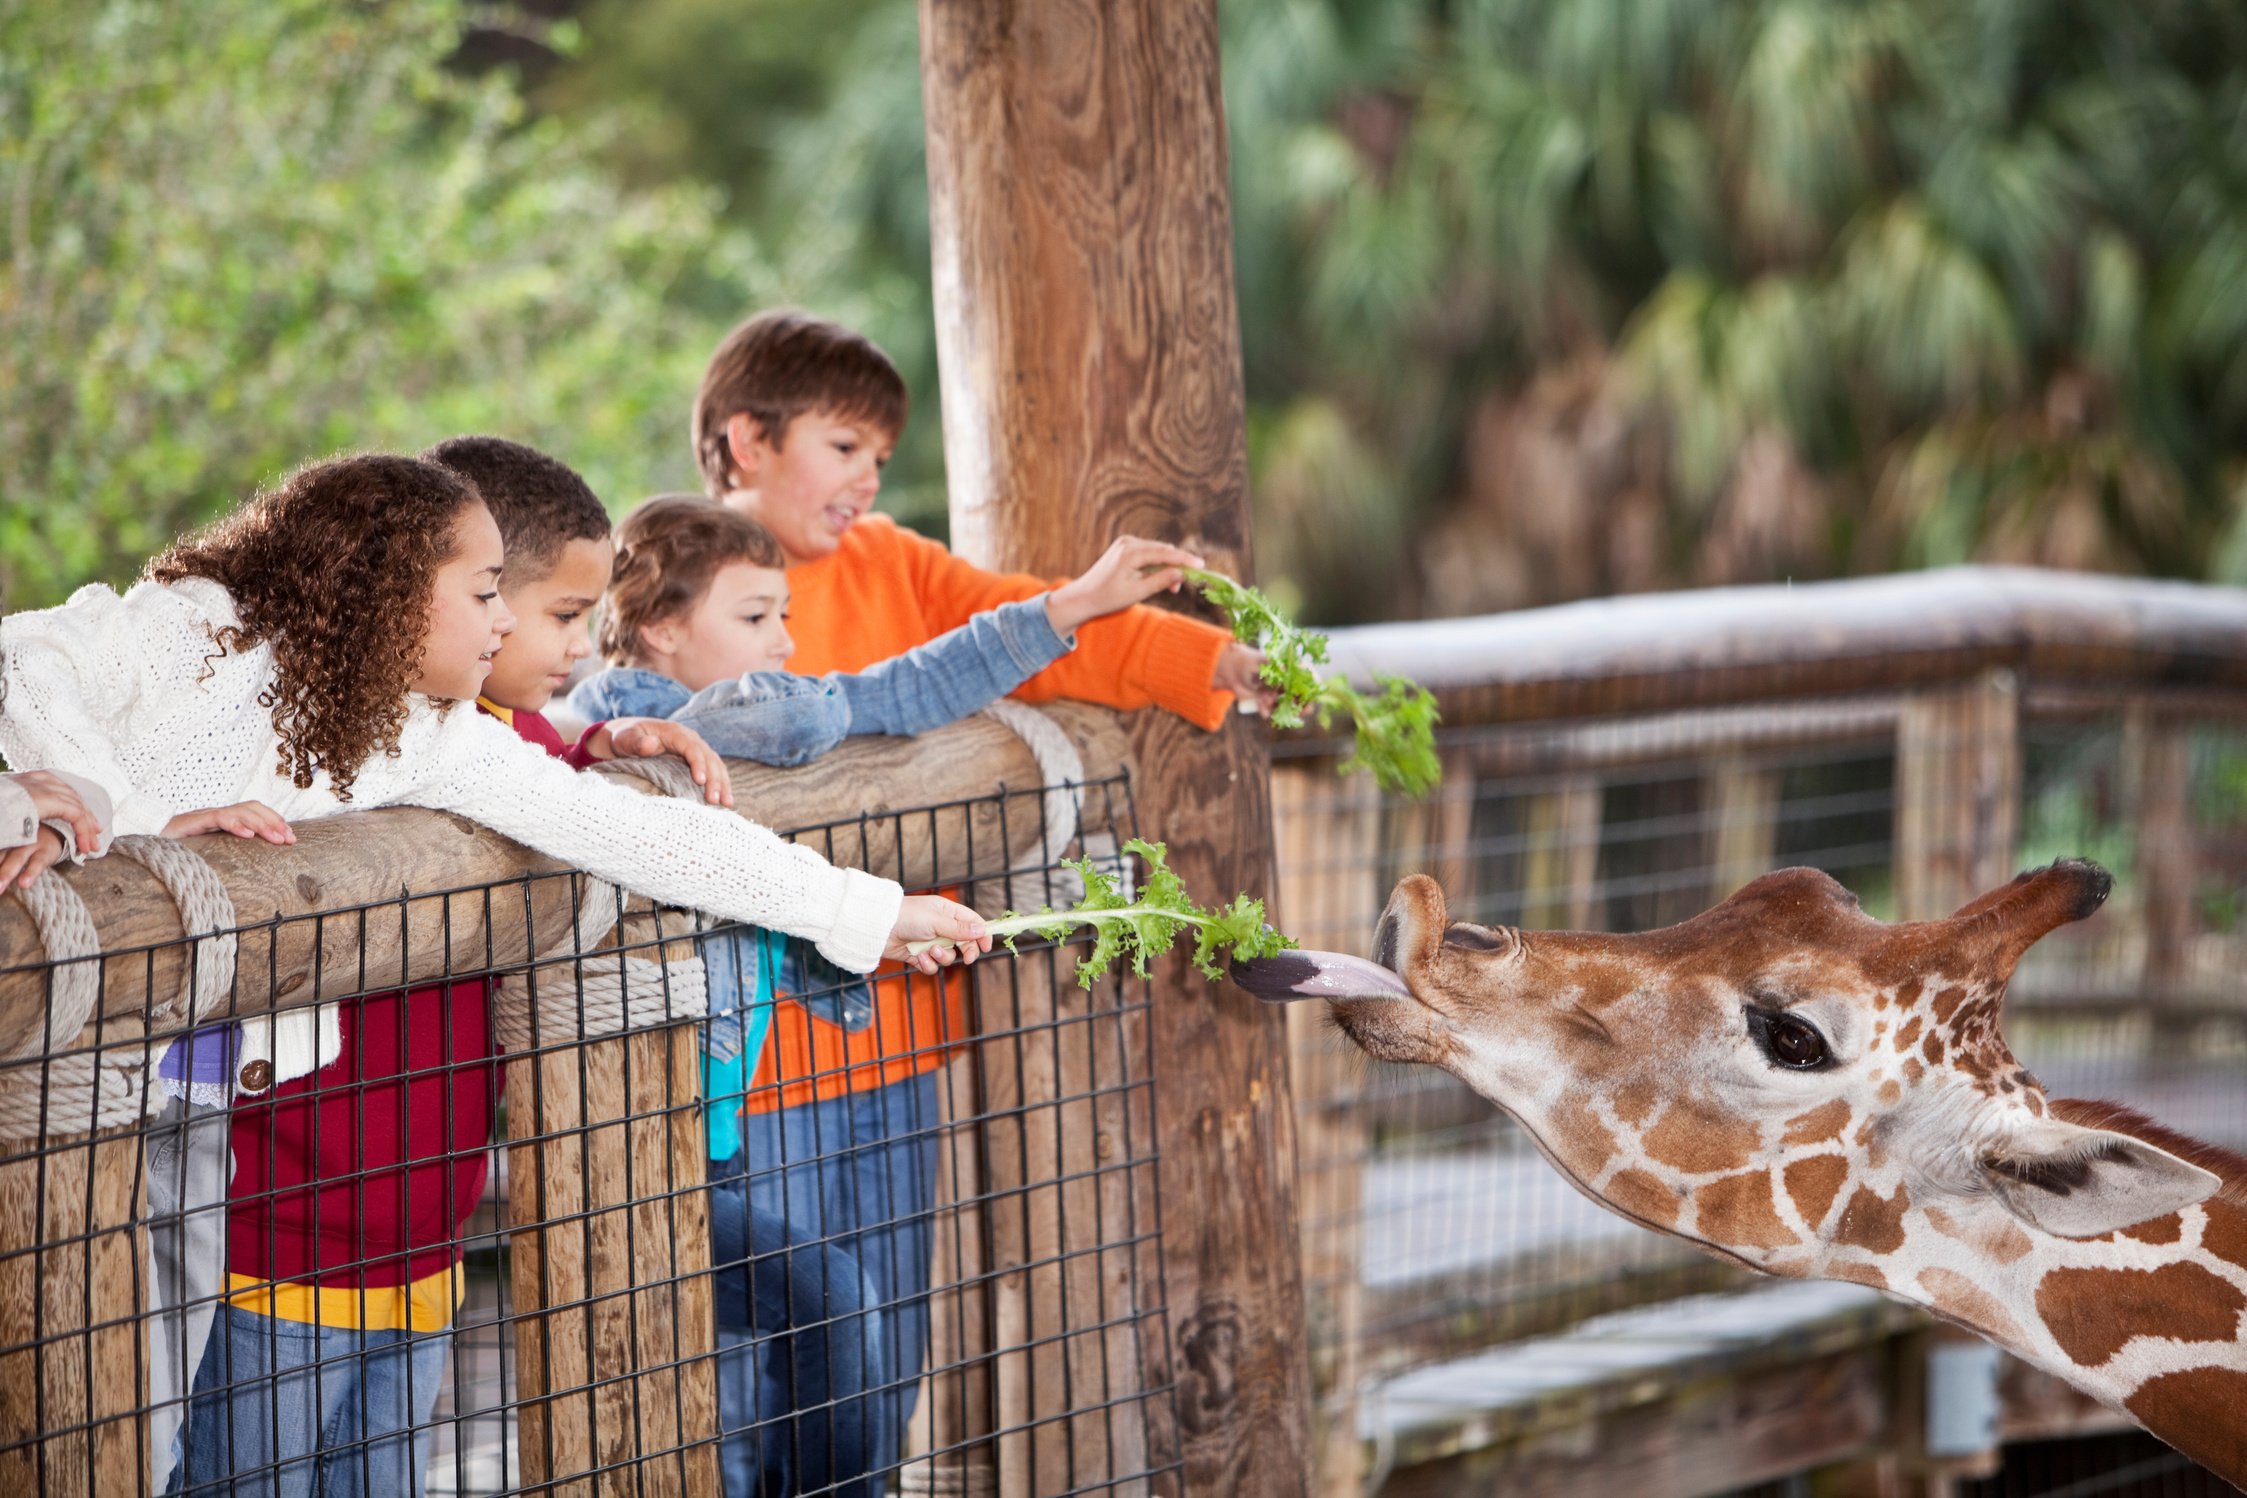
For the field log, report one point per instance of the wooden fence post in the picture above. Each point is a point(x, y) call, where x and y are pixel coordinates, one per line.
point(1958, 793)
point(1560, 862)
point(2157, 802)
point(1090, 348)
point(609, 1259)
point(73, 1389)
point(1743, 800)
point(1328, 834)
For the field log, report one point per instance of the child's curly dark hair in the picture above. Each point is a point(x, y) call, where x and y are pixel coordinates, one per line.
point(334, 568)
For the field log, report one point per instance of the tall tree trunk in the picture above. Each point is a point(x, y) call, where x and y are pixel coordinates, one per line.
point(1090, 348)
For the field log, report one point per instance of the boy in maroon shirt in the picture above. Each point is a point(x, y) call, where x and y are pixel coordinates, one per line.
point(352, 1184)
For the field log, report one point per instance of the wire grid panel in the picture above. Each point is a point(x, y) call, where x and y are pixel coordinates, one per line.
point(938, 1268)
point(1431, 1226)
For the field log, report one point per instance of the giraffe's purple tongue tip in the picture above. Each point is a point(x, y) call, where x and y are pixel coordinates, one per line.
point(1317, 975)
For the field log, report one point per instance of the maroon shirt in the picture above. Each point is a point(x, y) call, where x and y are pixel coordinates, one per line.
point(361, 1174)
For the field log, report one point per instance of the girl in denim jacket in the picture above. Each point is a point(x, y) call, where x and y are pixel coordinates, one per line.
point(694, 625)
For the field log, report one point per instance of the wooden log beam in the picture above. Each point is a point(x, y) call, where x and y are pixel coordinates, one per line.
point(1089, 343)
point(1657, 652)
point(330, 916)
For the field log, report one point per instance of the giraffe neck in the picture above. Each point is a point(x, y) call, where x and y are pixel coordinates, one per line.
point(2149, 1320)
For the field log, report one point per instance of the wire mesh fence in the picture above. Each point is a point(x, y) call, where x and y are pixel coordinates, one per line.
point(1432, 1228)
point(558, 1191)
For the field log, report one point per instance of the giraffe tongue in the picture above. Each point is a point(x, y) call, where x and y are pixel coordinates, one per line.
point(1317, 975)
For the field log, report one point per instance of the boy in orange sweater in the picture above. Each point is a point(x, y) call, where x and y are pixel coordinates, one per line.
point(793, 422)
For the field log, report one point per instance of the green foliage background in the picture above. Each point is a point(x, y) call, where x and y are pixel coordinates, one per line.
point(1539, 297)
point(1773, 287)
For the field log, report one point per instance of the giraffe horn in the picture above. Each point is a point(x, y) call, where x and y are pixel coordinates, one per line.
point(2015, 916)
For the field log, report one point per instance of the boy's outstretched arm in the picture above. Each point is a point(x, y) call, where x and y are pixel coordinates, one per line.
point(769, 717)
point(777, 718)
point(766, 717)
point(961, 671)
point(965, 670)
point(1141, 657)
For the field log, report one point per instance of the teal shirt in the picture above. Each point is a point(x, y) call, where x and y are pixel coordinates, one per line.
point(725, 1080)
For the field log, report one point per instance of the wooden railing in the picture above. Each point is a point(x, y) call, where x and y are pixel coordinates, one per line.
point(608, 1305)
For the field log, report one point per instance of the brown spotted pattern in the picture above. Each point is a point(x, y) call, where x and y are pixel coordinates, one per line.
point(1967, 1303)
point(1872, 1222)
point(1701, 1140)
point(1738, 1212)
point(1814, 1181)
point(1821, 1124)
point(2093, 1313)
point(2198, 1410)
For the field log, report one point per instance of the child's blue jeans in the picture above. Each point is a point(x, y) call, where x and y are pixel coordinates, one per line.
point(860, 1172)
point(796, 1350)
point(287, 1408)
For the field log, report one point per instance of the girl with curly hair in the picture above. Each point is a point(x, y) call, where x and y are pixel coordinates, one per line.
point(312, 652)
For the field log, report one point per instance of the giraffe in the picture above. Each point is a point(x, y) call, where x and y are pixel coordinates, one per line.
point(1789, 1083)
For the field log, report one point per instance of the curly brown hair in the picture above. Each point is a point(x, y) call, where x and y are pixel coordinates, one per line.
point(334, 569)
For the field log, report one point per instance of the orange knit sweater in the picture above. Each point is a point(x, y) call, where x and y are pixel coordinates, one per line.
point(884, 591)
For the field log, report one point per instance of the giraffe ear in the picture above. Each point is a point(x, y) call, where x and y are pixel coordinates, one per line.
point(2080, 1183)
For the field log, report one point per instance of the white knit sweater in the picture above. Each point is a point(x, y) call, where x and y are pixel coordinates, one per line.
point(114, 689)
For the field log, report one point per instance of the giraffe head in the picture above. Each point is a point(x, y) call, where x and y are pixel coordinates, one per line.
point(1779, 1079)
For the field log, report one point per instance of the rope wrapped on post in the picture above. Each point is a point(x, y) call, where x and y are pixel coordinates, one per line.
point(574, 991)
point(587, 992)
point(79, 1087)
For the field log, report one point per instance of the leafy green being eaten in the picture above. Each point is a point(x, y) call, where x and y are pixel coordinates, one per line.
point(1394, 730)
point(1142, 927)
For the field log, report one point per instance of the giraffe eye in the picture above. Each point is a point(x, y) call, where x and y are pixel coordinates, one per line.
point(1790, 1041)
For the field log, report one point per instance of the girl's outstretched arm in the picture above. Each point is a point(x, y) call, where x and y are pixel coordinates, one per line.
point(673, 851)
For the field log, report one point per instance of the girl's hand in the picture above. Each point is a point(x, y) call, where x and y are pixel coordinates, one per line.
point(644, 738)
point(243, 819)
point(22, 865)
point(1239, 671)
point(945, 932)
point(57, 801)
point(1129, 571)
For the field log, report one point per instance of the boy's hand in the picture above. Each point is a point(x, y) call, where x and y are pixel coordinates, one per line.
point(1128, 572)
point(57, 801)
point(944, 931)
point(24, 864)
point(644, 738)
point(243, 819)
point(1240, 671)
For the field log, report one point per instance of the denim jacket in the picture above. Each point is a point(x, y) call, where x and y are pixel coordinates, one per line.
point(778, 718)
